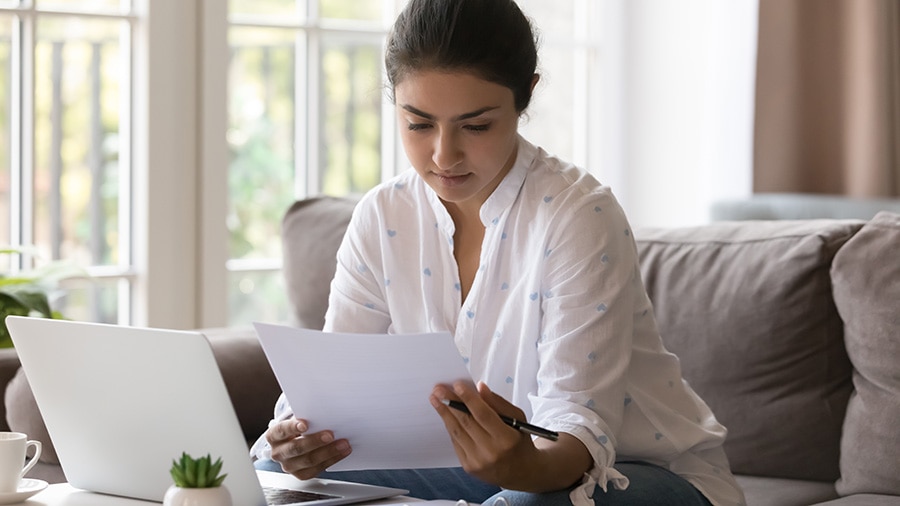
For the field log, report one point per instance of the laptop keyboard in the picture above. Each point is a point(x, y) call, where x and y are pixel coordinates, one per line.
point(276, 496)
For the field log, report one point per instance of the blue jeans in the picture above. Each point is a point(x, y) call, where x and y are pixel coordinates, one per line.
point(650, 485)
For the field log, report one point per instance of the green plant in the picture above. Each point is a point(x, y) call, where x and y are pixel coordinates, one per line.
point(197, 473)
point(25, 293)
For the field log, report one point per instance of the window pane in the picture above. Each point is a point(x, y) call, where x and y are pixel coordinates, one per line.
point(350, 116)
point(110, 6)
point(5, 128)
point(96, 300)
point(261, 138)
point(278, 9)
point(78, 91)
point(351, 9)
point(260, 296)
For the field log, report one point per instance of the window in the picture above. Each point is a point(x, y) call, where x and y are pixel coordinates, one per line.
point(65, 145)
point(307, 115)
point(89, 171)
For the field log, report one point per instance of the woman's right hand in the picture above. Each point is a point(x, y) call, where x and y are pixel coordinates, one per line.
point(303, 454)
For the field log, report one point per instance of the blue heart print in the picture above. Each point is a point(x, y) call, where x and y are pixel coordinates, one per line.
point(470, 314)
point(391, 233)
point(509, 379)
point(597, 209)
point(602, 439)
point(601, 308)
point(548, 199)
point(504, 286)
point(533, 296)
point(427, 271)
point(658, 436)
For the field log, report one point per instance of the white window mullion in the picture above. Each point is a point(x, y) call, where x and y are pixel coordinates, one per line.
point(303, 184)
point(22, 122)
point(126, 169)
point(212, 190)
point(311, 118)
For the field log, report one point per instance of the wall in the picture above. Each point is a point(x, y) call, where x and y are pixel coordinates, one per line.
point(679, 123)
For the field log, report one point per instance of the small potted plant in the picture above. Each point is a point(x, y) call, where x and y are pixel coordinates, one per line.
point(197, 483)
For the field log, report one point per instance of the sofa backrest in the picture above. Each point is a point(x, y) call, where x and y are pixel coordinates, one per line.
point(311, 232)
point(747, 306)
point(748, 309)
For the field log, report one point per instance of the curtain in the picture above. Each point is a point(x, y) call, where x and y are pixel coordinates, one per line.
point(827, 114)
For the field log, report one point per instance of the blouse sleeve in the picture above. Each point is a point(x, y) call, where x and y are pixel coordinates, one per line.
point(356, 302)
point(590, 288)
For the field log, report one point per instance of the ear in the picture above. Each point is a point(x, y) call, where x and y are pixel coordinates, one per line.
point(534, 81)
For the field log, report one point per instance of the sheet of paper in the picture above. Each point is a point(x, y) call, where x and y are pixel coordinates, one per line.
point(370, 389)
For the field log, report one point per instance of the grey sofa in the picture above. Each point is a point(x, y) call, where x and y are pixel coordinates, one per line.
point(790, 330)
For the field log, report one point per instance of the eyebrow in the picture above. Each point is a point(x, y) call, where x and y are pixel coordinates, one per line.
point(461, 117)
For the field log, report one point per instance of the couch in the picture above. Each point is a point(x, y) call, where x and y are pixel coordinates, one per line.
point(790, 330)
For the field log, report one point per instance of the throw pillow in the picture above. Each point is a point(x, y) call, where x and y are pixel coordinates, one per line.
point(311, 232)
point(748, 309)
point(866, 276)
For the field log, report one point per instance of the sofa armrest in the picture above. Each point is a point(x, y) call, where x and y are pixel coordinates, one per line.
point(248, 377)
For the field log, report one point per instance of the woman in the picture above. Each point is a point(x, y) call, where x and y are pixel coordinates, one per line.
point(530, 263)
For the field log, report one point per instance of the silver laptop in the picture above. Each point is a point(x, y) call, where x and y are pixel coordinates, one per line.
point(121, 403)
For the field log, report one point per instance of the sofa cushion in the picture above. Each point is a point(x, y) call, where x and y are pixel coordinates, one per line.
point(747, 307)
point(311, 232)
point(760, 491)
point(866, 276)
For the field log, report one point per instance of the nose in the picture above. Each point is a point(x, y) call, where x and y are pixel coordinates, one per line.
point(447, 153)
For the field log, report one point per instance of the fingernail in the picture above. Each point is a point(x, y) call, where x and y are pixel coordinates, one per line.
point(301, 427)
point(343, 447)
point(458, 388)
point(327, 437)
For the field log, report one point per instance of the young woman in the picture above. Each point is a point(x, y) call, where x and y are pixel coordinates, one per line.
point(530, 263)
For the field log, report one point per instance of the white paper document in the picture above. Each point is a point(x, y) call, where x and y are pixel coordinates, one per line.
point(370, 389)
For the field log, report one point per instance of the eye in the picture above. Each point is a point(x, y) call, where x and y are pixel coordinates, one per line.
point(415, 127)
point(478, 128)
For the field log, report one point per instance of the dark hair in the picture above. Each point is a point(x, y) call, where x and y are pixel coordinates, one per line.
point(490, 38)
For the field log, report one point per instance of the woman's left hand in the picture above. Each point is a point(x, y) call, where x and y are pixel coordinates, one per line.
point(486, 447)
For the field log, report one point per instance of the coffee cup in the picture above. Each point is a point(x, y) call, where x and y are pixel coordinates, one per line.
point(13, 446)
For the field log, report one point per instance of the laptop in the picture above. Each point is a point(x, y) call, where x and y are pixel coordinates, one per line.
point(121, 403)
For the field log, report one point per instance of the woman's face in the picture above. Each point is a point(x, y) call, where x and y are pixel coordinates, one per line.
point(459, 132)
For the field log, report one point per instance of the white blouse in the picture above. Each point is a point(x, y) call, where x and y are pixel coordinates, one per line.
point(557, 320)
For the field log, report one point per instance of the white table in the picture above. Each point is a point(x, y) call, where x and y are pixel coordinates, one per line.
point(63, 494)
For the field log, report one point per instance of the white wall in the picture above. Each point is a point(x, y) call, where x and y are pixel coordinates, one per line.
point(679, 124)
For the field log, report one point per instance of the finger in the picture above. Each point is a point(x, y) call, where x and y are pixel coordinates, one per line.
point(483, 414)
point(454, 420)
point(305, 457)
point(286, 430)
point(481, 418)
point(301, 446)
point(309, 465)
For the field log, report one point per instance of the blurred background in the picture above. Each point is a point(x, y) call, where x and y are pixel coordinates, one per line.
point(157, 143)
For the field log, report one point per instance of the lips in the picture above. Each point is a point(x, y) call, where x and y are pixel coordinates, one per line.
point(452, 179)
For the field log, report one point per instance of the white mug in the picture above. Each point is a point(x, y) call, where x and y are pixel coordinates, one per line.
point(12, 459)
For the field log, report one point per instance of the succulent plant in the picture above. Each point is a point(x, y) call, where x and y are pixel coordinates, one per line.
point(197, 473)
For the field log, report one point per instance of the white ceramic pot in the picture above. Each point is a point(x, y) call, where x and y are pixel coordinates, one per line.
point(177, 496)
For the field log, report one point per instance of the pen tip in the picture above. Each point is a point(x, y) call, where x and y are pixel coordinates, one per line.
point(445, 402)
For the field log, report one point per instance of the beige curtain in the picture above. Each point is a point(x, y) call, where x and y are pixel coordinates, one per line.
point(828, 97)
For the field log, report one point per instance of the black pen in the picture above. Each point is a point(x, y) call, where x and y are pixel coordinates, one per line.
point(512, 422)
